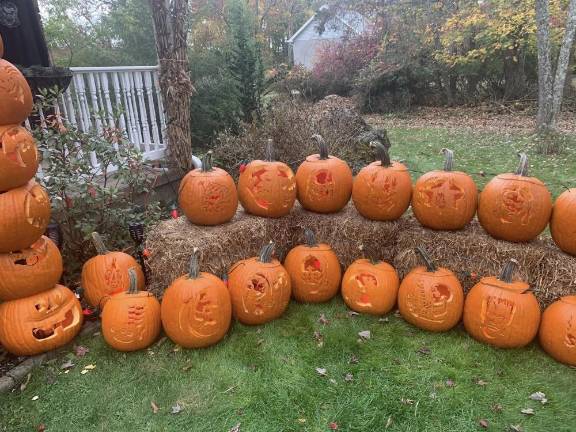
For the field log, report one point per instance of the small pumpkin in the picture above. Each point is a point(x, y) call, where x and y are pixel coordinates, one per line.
point(445, 200)
point(18, 157)
point(208, 195)
point(267, 188)
point(515, 207)
point(24, 216)
point(324, 182)
point(15, 95)
point(30, 271)
point(382, 190)
point(562, 221)
point(106, 274)
point(131, 320)
point(431, 297)
point(196, 308)
point(502, 312)
point(558, 330)
point(40, 322)
point(369, 287)
point(314, 270)
point(260, 288)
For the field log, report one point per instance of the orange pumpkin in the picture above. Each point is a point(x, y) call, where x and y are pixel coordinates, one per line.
point(30, 271)
point(196, 308)
point(15, 95)
point(106, 274)
point(515, 207)
point(558, 330)
point(562, 221)
point(314, 271)
point(369, 287)
point(208, 195)
point(131, 320)
point(24, 216)
point(267, 188)
point(324, 182)
point(260, 288)
point(431, 297)
point(502, 312)
point(18, 157)
point(40, 322)
point(445, 200)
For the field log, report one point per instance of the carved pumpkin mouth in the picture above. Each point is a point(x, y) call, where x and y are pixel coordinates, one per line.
point(51, 330)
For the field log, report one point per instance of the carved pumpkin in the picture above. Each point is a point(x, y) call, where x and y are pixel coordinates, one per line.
point(558, 330)
point(502, 312)
point(24, 216)
point(369, 287)
point(131, 320)
point(30, 271)
point(208, 195)
point(18, 157)
point(382, 190)
point(260, 288)
point(196, 308)
point(515, 207)
point(562, 221)
point(324, 182)
point(40, 322)
point(106, 274)
point(314, 271)
point(15, 95)
point(431, 297)
point(445, 200)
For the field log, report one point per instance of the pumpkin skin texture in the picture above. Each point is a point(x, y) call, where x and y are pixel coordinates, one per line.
point(260, 288)
point(370, 288)
point(558, 330)
point(18, 157)
point(431, 297)
point(501, 312)
point(30, 271)
point(515, 207)
point(562, 221)
point(445, 200)
point(324, 182)
point(40, 322)
point(314, 271)
point(15, 95)
point(24, 216)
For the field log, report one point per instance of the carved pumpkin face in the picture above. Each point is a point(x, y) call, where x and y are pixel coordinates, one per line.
point(15, 95)
point(41, 322)
point(562, 222)
point(18, 157)
point(558, 330)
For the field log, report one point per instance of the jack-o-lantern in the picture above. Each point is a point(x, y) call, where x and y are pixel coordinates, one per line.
point(208, 195)
point(324, 182)
point(30, 271)
point(106, 274)
point(369, 287)
point(15, 95)
point(196, 308)
point(40, 322)
point(260, 288)
point(431, 297)
point(18, 157)
point(515, 207)
point(558, 330)
point(502, 312)
point(131, 320)
point(445, 200)
point(314, 271)
point(382, 190)
point(562, 222)
point(24, 216)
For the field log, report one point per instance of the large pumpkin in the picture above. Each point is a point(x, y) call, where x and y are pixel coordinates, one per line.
point(260, 288)
point(267, 188)
point(558, 330)
point(431, 297)
point(562, 221)
point(40, 322)
point(445, 200)
point(30, 271)
point(106, 274)
point(15, 95)
point(515, 207)
point(502, 312)
point(18, 157)
point(24, 216)
point(208, 195)
point(369, 287)
point(324, 182)
point(382, 190)
point(314, 270)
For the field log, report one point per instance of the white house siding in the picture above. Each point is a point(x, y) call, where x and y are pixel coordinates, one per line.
point(308, 43)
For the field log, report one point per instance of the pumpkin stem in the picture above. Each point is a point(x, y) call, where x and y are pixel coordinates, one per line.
point(322, 145)
point(310, 238)
point(207, 162)
point(133, 281)
point(99, 244)
point(266, 252)
point(523, 165)
point(430, 266)
point(508, 270)
point(381, 152)
point(270, 150)
point(448, 159)
point(194, 272)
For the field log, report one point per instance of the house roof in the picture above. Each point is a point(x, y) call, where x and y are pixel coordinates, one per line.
point(353, 20)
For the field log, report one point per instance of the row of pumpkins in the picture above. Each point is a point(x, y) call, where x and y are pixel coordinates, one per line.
point(512, 207)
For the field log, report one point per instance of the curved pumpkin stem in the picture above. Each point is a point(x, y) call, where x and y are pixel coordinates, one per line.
point(523, 165)
point(194, 272)
point(207, 162)
point(270, 150)
point(322, 145)
point(99, 244)
point(508, 271)
point(266, 252)
point(382, 153)
point(430, 266)
point(448, 159)
point(133, 281)
point(310, 238)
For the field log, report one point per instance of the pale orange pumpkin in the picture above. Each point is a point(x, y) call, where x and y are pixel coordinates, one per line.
point(18, 157)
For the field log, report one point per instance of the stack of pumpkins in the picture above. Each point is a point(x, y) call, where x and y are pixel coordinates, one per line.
point(37, 314)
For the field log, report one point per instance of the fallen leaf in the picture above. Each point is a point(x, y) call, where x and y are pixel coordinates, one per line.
point(388, 422)
point(259, 342)
point(407, 401)
point(450, 383)
point(352, 314)
point(81, 351)
point(397, 314)
point(84, 371)
point(353, 359)
point(332, 381)
point(527, 411)
point(25, 383)
point(321, 371)
point(539, 396)
point(187, 367)
point(480, 382)
point(333, 426)
point(41, 427)
point(424, 350)
point(497, 408)
point(319, 338)
point(384, 320)
point(348, 377)
point(155, 408)
point(90, 367)
point(35, 398)
point(67, 365)
point(302, 420)
point(365, 334)
point(67, 371)
point(235, 428)
point(516, 428)
point(176, 348)
point(176, 409)
point(484, 423)
point(323, 319)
